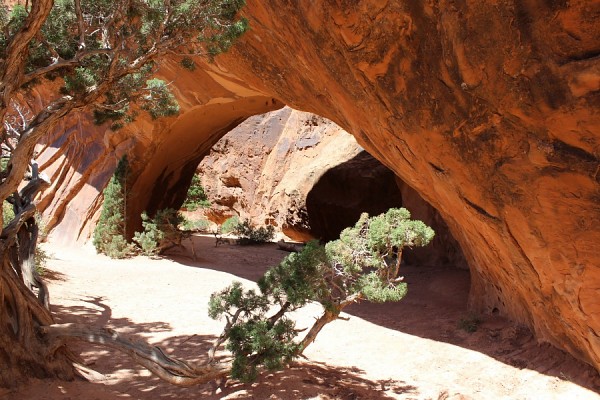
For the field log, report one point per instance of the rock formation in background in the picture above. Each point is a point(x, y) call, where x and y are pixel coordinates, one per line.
point(264, 168)
point(308, 177)
point(489, 110)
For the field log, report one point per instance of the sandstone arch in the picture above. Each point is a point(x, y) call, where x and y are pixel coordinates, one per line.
point(489, 110)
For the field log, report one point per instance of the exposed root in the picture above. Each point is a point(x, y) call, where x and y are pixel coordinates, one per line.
point(176, 372)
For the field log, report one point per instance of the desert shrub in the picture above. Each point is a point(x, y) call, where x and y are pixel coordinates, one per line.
point(160, 232)
point(109, 235)
point(40, 259)
point(195, 225)
point(8, 213)
point(470, 323)
point(188, 63)
point(230, 224)
point(196, 197)
point(249, 234)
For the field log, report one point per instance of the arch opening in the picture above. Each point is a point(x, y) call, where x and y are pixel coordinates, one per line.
point(310, 179)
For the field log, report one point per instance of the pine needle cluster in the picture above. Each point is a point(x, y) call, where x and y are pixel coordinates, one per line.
point(362, 265)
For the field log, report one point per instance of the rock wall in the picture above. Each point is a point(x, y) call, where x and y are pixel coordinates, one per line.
point(264, 168)
point(489, 110)
point(80, 156)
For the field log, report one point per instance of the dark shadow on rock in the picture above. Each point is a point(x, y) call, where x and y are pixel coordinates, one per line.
point(336, 201)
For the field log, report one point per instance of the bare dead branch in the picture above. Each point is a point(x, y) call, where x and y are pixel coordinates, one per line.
point(169, 369)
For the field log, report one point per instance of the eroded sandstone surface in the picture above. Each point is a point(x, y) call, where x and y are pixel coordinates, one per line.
point(489, 110)
point(310, 179)
point(264, 169)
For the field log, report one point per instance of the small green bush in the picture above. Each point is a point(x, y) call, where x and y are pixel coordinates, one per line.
point(470, 323)
point(40, 259)
point(160, 232)
point(109, 235)
point(188, 63)
point(195, 225)
point(196, 198)
point(248, 234)
point(8, 213)
point(230, 224)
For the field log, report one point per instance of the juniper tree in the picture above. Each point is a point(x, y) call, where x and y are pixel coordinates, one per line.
point(101, 55)
point(364, 264)
point(109, 234)
point(259, 333)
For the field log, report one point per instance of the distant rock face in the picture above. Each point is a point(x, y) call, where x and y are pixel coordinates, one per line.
point(264, 168)
point(308, 177)
point(489, 110)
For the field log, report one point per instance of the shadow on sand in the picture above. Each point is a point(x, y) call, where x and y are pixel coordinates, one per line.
point(435, 308)
point(123, 377)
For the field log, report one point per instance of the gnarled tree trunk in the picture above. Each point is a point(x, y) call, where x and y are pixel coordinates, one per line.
point(23, 351)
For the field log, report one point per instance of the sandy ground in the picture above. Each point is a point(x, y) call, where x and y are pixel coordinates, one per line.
point(413, 349)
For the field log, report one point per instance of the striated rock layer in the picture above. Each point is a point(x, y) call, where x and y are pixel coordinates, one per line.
point(489, 110)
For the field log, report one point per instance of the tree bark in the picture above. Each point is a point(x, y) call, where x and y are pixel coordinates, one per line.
point(171, 370)
point(23, 353)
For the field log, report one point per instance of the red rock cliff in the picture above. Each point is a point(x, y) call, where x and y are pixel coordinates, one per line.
point(488, 109)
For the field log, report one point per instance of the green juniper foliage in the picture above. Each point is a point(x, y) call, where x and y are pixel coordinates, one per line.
point(253, 339)
point(195, 225)
point(249, 234)
point(109, 235)
point(230, 224)
point(363, 264)
point(159, 232)
point(111, 48)
point(196, 197)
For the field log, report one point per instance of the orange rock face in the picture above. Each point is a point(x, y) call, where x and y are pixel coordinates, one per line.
point(489, 109)
point(80, 157)
point(264, 169)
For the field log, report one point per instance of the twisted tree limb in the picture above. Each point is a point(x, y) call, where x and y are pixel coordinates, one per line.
point(171, 370)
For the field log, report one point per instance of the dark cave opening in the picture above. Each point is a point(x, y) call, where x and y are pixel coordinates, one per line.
point(359, 185)
point(363, 184)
